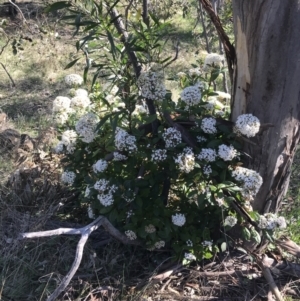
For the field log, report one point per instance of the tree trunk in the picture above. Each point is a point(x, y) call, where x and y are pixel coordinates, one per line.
point(266, 84)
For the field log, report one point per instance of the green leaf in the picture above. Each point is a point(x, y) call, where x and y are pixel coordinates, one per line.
point(255, 235)
point(71, 64)
point(112, 44)
point(150, 118)
point(57, 5)
point(246, 234)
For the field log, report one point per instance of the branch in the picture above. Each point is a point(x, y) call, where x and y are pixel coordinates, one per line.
point(268, 276)
point(13, 83)
point(18, 8)
point(289, 246)
point(85, 233)
point(228, 47)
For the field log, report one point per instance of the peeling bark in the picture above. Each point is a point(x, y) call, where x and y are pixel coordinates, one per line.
point(266, 84)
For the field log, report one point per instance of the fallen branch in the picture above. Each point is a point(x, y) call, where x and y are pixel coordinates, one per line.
point(13, 83)
point(289, 246)
point(85, 233)
point(268, 276)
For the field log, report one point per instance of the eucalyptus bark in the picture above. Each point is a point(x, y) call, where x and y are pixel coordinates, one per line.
point(266, 84)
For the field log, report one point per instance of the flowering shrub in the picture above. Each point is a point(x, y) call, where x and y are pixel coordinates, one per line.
point(163, 172)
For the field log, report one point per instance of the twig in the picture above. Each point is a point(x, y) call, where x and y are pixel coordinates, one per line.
point(268, 276)
point(18, 8)
point(3, 47)
point(85, 233)
point(13, 83)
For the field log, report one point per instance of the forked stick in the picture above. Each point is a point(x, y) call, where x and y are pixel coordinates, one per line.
point(85, 232)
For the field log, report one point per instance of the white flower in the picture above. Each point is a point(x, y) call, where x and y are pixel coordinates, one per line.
point(100, 166)
point(106, 191)
point(129, 213)
point(159, 244)
point(251, 181)
point(68, 177)
point(119, 157)
point(189, 256)
point(227, 153)
point(247, 125)
point(191, 96)
point(186, 160)
point(172, 137)
point(270, 221)
point(178, 219)
point(150, 229)
point(86, 126)
point(139, 109)
point(159, 155)
point(130, 234)
point(60, 104)
point(106, 199)
point(201, 139)
point(230, 221)
point(193, 72)
point(207, 243)
point(207, 154)
point(212, 60)
point(223, 96)
point(281, 223)
point(80, 102)
point(151, 85)
point(62, 117)
point(208, 125)
point(189, 243)
point(69, 139)
point(220, 201)
point(81, 93)
point(124, 141)
point(207, 170)
point(181, 74)
point(90, 212)
point(59, 147)
point(73, 80)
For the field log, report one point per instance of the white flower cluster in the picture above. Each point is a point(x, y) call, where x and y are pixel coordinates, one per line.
point(250, 180)
point(130, 234)
point(207, 170)
point(186, 160)
point(159, 155)
point(86, 126)
point(191, 96)
point(106, 191)
point(208, 125)
point(189, 256)
point(207, 154)
point(178, 219)
point(181, 74)
point(119, 157)
point(227, 153)
point(230, 221)
point(124, 141)
point(172, 137)
point(159, 244)
point(129, 213)
point(207, 243)
point(193, 72)
point(80, 102)
point(212, 60)
point(61, 104)
point(100, 166)
point(150, 229)
point(68, 140)
point(139, 109)
point(73, 80)
point(131, 196)
point(189, 243)
point(201, 139)
point(223, 96)
point(151, 85)
point(270, 221)
point(247, 125)
point(68, 177)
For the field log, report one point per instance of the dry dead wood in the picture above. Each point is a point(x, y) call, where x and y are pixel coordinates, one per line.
point(85, 233)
